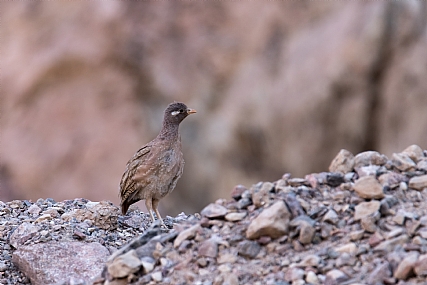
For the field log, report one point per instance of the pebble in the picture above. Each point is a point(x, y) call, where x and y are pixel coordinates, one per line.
point(368, 187)
point(418, 182)
point(343, 162)
point(214, 211)
point(272, 222)
point(403, 162)
point(365, 209)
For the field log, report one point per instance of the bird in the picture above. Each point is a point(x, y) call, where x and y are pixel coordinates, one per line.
point(153, 171)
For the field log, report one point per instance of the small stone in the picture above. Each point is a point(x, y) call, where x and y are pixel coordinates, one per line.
point(294, 274)
point(272, 222)
point(22, 233)
point(249, 249)
point(379, 274)
point(414, 152)
point(306, 229)
point(311, 260)
point(226, 258)
point(52, 212)
point(235, 217)
point(356, 235)
point(370, 170)
point(236, 194)
point(345, 259)
point(124, 265)
point(369, 158)
point(375, 239)
point(335, 276)
point(34, 210)
point(202, 262)
point(135, 221)
point(422, 164)
point(402, 162)
point(44, 217)
point(420, 267)
point(157, 276)
point(418, 182)
point(296, 182)
point(208, 248)
point(214, 211)
point(186, 234)
point(343, 162)
point(78, 235)
point(231, 279)
point(368, 187)
point(260, 195)
point(148, 264)
point(394, 233)
point(311, 278)
point(392, 179)
point(423, 232)
point(350, 248)
point(331, 217)
point(3, 266)
point(365, 209)
point(368, 223)
point(390, 244)
point(406, 267)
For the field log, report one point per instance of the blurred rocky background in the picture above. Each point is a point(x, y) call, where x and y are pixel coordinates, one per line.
point(276, 85)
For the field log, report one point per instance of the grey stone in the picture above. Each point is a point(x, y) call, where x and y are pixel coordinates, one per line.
point(331, 216)
point(249, 249)
point(306, 229)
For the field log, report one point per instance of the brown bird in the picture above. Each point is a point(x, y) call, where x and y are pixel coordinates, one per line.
point(154, 169)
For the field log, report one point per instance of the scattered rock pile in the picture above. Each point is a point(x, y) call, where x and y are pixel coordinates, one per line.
point(364, 222)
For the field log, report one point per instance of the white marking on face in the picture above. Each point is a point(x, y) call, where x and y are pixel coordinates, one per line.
point(174, 113)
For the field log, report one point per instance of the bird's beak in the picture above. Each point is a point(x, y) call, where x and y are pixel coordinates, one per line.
point(191, 111)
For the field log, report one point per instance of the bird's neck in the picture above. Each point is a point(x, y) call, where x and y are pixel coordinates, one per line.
point(169, 131)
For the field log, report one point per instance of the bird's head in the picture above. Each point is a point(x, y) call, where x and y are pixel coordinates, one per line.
point(176, 112)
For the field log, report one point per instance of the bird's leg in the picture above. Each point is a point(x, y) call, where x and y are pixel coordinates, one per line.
point(155, 204)
point(149, 205)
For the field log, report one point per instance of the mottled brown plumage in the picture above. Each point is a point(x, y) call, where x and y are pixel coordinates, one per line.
point(155, 168)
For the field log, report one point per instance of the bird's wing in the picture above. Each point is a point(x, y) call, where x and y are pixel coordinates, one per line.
point(127, 184)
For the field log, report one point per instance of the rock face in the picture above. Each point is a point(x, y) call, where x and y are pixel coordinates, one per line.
point(76, 107)
point(296, 230)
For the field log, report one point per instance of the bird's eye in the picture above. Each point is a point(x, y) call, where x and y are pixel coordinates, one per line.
point(181, 110)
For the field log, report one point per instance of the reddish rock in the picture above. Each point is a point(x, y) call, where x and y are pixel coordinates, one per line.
point(53, 262)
